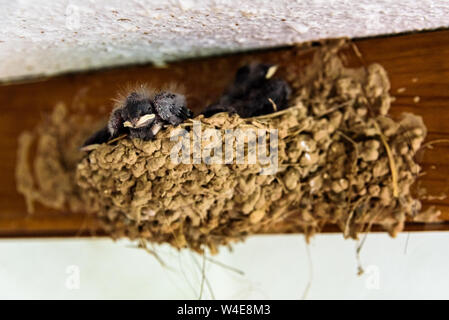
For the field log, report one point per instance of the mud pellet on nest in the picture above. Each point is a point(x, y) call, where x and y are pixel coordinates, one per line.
point(416, 143)
point(374, 190)
point(339, 185)
point(320, 134)
point(403, 148)
point(385, 196)
point(380, 169)
point(361, 112)
point(322, 130)
point(335, 119)
point(306, 143)
point(418, 131)
point(372, 144)
point(370, 155)
point(370, 150)
point(315, 184)
point(291, 179)
point(256, 216)
point(361, 192)
point(309, 159)
point(337, 148)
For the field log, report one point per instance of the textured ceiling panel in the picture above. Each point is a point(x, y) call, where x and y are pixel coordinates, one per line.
point(47, 37)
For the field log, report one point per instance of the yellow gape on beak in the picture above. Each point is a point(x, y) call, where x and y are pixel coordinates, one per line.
point(143, 121)
point(271, 71)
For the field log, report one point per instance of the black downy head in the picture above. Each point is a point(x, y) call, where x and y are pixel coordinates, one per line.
point(253, 93)
point(137, 116)
point(141, 115)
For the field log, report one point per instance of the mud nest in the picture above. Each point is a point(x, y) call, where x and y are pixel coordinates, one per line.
point(340, 160)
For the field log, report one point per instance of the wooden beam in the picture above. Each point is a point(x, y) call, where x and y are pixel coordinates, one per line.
point(417, 63)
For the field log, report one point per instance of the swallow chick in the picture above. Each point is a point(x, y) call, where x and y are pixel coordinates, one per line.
point(254, 92)
point(141, 115)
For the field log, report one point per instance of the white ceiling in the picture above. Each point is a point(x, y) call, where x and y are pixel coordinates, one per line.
point(47, 37)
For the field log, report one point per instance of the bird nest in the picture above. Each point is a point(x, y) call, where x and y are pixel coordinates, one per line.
point(338, 159)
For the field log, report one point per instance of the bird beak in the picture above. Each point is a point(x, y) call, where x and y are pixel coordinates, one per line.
point(271, 71)
point(143, 121)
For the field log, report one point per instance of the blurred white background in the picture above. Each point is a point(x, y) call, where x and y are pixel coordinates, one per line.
point(275, 267)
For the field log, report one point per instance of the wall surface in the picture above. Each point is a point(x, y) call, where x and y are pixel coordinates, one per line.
point(47, 37)
point(411, 266)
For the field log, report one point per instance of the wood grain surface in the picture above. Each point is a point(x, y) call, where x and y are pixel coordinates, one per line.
point(417, 64)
